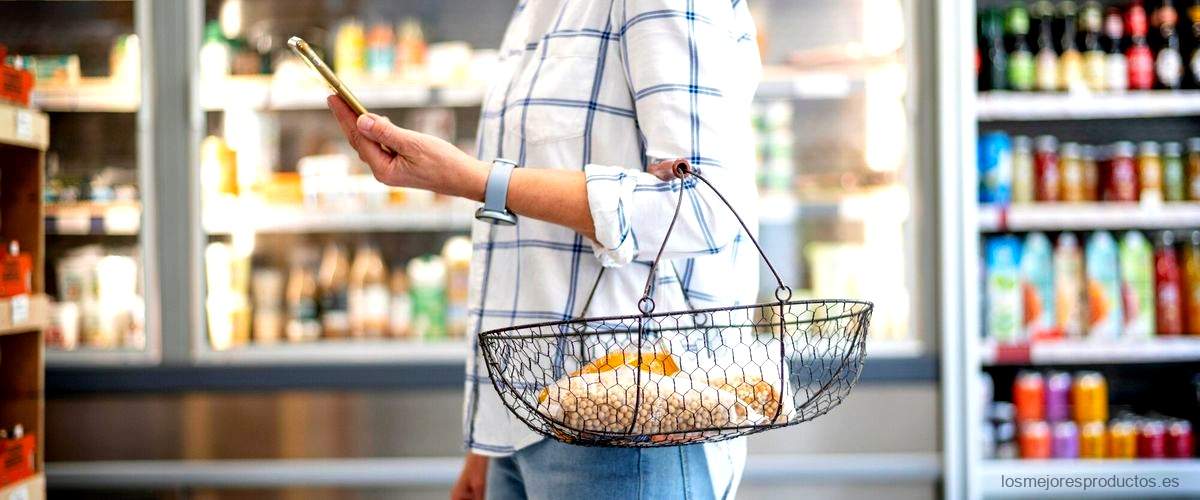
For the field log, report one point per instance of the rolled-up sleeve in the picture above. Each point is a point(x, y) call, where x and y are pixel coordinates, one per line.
point(692, 76)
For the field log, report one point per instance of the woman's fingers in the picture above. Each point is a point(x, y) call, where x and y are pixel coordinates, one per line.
point(383, 131)
point(368, 149)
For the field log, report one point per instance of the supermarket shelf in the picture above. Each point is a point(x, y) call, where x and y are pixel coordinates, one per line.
point(29, 315)
point(1160, 350)
point(894, 349)
point(347, 352)
point(24, 127)
point(1084, 216)
point(787, 83)
point(100, 357)
point(443, 471)
point(92, 94)
point(94, 218)
point(1018, 106)
point(1187, 472)
point(30, 488)
point(281, 219)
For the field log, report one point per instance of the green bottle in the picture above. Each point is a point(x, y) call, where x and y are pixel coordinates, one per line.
point(1136, 257)
point(1020, 59)
point(1173, 182)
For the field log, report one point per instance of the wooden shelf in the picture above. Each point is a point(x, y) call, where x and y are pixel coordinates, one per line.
point(30, 488)
point(23, 127)
point(1086, 216)
point(91, 94)
point(1029, 106)
point(25, 315)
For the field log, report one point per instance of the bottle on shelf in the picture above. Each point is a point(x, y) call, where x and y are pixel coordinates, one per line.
point(993, 59)
point(1029, 395)
point(456, 254)
point(1116, 68)
point(1071, 168)
point(349, 49)
point(368, 297)
point(1168, 60)
point(1035, 440)
point(1193, 60)
point(1103, 287)
point(427, 287)
point(1046, 74)
point(400, 318)
point(1091, 173)
point(1022, 170)
point(268, 292)
point(1121, 183)
point(410, 49)
point(1169, 293)
point(1139, 57)
point(1149, 170)
point(303, 321)
point(1070, 65)
point(1070, 302)
point(1172, 172)
point(1020, 58)
point(1047, 175)
point(995, 168)
point(1064, 440)
point(1193, 169)
point(1137, 285)
point(1003, 290)
point(1180, 443)
point(215, 57)
point(1037, 277)
point(1091, 22)
point(381, 51)
point(1191, 282)
point(333, 281)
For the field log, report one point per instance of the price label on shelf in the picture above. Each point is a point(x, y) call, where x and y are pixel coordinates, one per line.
point(20, 309)
point(24, 125)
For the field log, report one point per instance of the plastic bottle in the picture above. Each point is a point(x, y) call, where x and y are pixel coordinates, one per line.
point(1137, 285)
point(381, 51)
point(1150, 173)
point(456, 253)
point(303, 322)
point(1103, 287)
point(368, 295)
point(1070, 60)
point(1168, 60)
point(1169, 292)
point(1022, 168)
point(1046, 74)
point(995, 168)
point(1193, 169)
point(1037, 287)
point(1116, 68)
point(1020, 59)
point(1069, 305)
point(1003, 290)
point(1121, 183)
point(1071, 167)
point(400, 309)
point(1139, 57)
point(1191, 283)
point(333, 281)
point(427, 287)
point(349, 49)
point(994, 59)
point(1091, 21)
point(1047, 176)
point(1091, 173)
point(215, 58)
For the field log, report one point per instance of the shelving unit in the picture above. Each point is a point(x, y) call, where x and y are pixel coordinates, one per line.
point(289, 219)
point(349, 352)
point(1081, 216)
point(1083, 352)
point(24, 135)
point(117, 219)
point(1022, 106)
point(91, 94)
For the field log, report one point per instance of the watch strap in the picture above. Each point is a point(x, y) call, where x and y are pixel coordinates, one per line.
point(495, 195)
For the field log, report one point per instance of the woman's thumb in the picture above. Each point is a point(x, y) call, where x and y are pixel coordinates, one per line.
point(379, 129)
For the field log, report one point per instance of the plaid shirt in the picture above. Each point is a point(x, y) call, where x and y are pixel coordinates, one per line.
point(608, 87)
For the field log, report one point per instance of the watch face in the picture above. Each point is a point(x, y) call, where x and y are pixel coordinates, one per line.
point(504, 218)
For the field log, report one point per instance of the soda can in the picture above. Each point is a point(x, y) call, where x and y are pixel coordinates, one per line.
point(1093, 440)
point(995, 168)
point(1152, 439)
point(1090, 396)
point(1065, 441)
point(1058, 394)
point(1122, 440)
point(1029, 396)
point(1179, 439)
point(1034, 439)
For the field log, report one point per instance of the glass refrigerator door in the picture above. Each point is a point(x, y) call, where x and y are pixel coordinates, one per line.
point(840, 170)
point(87, 60)
point(307, 257)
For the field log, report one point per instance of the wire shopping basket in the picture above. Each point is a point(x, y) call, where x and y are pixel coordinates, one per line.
point(683, 377)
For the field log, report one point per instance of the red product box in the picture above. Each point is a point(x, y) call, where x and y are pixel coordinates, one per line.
point(18, 459)
point(15, 84)
point(16, 274)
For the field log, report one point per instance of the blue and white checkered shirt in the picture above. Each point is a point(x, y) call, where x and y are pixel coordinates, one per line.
point(608, 87)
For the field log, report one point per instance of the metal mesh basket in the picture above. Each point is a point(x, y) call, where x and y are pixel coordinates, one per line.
point(671, 378)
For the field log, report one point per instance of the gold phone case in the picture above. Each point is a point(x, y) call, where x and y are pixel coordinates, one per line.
point(301, 48)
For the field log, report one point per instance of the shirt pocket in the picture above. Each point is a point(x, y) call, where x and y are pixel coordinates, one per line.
point(555, 92)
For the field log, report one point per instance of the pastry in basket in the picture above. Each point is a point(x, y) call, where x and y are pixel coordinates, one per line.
point(761, 395)
point(660, 362)
point(604, 402)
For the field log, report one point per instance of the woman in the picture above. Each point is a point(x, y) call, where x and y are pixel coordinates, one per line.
point(589, 94)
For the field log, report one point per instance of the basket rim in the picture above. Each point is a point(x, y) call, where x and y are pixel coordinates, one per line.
point(497, 332)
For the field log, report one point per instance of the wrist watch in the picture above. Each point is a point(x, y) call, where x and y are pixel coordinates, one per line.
point(495, 195)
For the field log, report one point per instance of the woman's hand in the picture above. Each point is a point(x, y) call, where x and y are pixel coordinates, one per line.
point(472, 482)
point(412, 159)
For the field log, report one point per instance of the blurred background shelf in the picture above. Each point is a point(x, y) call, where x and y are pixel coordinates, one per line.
point(91, 94)
point(100, 357)
point(1067, 352)
point(1020, 106)
point(339, 352)
point(25, 314)
point(23, 127)
point(124, 218)
point(1187, 472)
point(1082, 216)
point(288, 219)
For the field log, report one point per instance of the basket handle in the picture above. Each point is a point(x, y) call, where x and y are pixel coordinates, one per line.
point(680, 168)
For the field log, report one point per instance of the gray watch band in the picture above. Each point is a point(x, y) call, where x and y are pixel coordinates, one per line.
point(495, 195)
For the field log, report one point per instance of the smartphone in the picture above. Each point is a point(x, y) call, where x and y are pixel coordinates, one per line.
point(301, 48)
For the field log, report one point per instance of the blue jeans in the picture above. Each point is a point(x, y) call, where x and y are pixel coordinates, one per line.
point(554, 470)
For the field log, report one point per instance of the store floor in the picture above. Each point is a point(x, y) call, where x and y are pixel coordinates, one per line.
point(884, 418)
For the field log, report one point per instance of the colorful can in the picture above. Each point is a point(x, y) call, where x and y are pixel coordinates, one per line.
point(995, 168)
point(1090, 396)
point(1179, 439)
point(1058, 396)
point(1065, 441)
point(1093, 440)
point(1035, 440)
point(1029, 396)
point(1047, 175)
point(1152, 439)
point(1122, 440)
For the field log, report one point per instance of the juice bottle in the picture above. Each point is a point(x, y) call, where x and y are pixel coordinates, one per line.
point(1116, 71)
point(333, 280)
point(1121, 183)
point(1047, 176)
point(1168, 62)
point(303, 323)
point(1149, 167)
point(994, 59)
point(1091, 173)
point(1169, 290)
point(348, 49)
point(1071, 167)
point(1045, 59)
point(1020, 59)
point(995, 168)
point(1193, 61)
point(1070, 60)
point(1103, 287)
point(1022, 164)
point(1172, 172)
point(1069, 304)
point(1193, 169)
point(1191, 282)
point(1037, 287)
point(456, 253)
point(1139, 58)
point(381, 50)
point(1004, 315)
point(368, 296)
point(1137, 284)
point(1091, 21)
point(400, 307)
point(427, 278)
